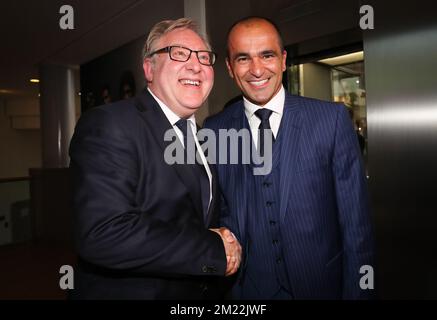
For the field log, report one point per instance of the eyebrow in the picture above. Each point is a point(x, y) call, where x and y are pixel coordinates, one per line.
point(245, 54)
point(184, 46)
point(268, 52)
point(239, 55)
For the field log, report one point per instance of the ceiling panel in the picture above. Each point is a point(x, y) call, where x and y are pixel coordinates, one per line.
point(31, 34)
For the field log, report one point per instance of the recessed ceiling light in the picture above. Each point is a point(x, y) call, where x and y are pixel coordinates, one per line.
point(34, 80)
point(344, 59)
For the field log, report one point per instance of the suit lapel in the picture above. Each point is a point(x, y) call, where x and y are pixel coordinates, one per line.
point(158, 124)
point(241, 173)
point(214, 207)
point(290, 134)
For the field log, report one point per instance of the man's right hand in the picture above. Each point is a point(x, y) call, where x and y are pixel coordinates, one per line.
point(232, 248)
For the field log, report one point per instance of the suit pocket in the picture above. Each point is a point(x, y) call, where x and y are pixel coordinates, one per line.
point(333, 261)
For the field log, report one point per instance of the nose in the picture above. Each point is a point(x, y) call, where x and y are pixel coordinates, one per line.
point(193, 63)
point(256, 67)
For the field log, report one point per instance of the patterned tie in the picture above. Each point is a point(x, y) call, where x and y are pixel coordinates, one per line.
point(183, 124)
point(263, 115)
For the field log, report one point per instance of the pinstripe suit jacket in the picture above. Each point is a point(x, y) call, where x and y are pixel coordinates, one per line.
point(324, 211)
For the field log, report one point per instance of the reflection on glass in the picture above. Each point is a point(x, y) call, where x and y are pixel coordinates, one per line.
point(348, 88)
point(338, 79)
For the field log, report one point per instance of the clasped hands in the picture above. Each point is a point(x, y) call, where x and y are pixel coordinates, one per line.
point(232, 249)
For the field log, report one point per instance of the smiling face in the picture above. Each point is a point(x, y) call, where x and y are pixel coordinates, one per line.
point(256, 61)
point(182, 86)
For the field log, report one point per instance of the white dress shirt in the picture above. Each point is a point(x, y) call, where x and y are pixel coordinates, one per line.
point(173, 118)
point(276, 104)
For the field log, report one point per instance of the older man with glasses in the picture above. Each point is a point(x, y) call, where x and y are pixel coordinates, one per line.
point(146, 229)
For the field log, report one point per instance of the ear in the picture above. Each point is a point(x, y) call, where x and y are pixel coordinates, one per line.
point(284, 60)
point(228, 65)
point(148, 69)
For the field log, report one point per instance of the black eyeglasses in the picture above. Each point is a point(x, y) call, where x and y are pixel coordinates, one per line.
point(182, 54)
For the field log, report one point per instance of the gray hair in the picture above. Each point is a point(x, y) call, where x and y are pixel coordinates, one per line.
point(166, 26)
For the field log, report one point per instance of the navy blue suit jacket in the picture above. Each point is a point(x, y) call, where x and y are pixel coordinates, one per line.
point(139, 227)
point(324, 211)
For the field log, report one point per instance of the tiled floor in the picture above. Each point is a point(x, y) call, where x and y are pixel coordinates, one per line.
point(31, 271)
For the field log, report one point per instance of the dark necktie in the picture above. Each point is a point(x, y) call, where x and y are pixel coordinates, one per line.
point(263, 115)
point(183, 124)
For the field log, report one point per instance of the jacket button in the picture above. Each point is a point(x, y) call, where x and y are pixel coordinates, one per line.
point(209, 269)
point(203, 286)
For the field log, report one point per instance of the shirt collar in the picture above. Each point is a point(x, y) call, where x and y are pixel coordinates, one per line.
point(171, 116)
point(276, 104)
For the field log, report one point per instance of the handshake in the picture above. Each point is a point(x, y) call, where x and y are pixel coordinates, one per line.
point(232, 249)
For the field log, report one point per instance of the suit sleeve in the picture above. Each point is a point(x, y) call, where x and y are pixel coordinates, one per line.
point(110, 229)
point(353, 208)
point(226, 219)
